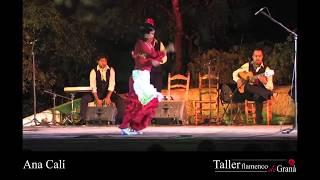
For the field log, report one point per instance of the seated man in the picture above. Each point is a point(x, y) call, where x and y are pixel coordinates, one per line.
point(257, 87)
point(102, 81)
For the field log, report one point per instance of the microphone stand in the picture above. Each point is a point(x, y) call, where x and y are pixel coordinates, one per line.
point(295, 124)
point(54, 95)
point(36, 122)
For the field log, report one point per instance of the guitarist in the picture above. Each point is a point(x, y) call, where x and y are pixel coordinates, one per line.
point(261, 88)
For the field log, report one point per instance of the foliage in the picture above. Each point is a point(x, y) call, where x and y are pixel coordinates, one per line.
point(62, 52)
point(222, 63)
point(282, 59)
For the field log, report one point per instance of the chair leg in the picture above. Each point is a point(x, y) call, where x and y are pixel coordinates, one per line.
point(195, 113)
point(246, 110)
point(196, 119)
point(254, 113)
point(269, 111)
point(250, 111)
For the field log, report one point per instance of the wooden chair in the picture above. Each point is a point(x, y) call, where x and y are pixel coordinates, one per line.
point(179, 81)
point(174, 81)
point(200, 106)
point(250, 110)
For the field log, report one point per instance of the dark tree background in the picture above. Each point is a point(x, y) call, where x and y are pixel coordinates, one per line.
point(71, 33)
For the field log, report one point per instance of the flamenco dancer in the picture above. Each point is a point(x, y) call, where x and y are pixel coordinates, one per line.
point(143, 97)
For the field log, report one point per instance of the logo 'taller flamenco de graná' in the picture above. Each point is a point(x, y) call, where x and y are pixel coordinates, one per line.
point(280, 168)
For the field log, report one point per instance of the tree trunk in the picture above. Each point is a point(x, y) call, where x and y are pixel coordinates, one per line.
point(178, 36)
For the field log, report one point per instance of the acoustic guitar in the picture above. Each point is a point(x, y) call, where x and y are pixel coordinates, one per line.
point(248, 77)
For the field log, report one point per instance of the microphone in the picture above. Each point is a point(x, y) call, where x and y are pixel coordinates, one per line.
point(259, 11)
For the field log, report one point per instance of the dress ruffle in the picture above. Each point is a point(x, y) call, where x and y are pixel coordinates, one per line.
point(137, 115)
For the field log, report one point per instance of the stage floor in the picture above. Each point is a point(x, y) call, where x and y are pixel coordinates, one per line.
point(160, 138)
